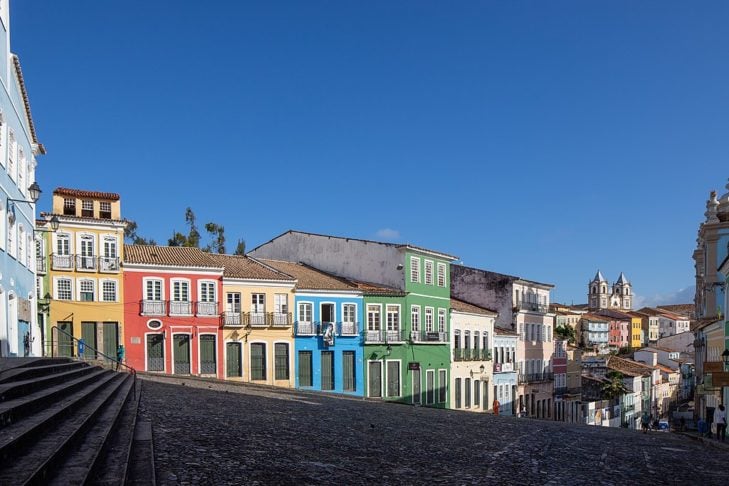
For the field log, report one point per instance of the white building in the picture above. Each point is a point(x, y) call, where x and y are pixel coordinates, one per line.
point(601, 295)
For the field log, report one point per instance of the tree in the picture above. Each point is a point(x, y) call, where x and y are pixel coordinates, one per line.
point(130, 235)
point(217, 232)
point(240, 247)
point(615, 386)
point(565, 332)
point(193, 236)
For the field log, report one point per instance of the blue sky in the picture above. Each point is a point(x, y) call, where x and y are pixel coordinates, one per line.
point(540, 139)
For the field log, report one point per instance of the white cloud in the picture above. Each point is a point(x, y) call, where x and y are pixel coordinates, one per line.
point(388, 234)
point(681, 296)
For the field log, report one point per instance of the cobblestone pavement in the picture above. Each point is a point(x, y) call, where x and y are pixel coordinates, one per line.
point(212, 433)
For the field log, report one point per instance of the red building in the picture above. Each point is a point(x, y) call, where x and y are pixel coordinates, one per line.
point(619, 328)
point(172, 310)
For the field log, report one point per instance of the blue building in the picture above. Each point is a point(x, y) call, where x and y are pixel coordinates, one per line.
point(20, 334)
point(328, 347)
point(505, 373)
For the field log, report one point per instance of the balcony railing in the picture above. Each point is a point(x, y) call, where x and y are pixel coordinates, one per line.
point(109, 264)
point(85, 263)
point(471, 354)
point(317, 328)
point(279, 319)
point(381, 336)
point(422, 336)
point(232, 319)
point(348, 329)
point(207, 308)
point(154, 308)
point(40, 265)
point(307, 328)
point(535, 377)
point(533, 307)
point(61, 262)
point(180, 308)
point(257, 319)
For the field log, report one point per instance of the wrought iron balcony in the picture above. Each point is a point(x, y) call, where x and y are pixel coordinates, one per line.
point(108, 264)
point(535, 377)
point(560, 391)
point(85, 263)
point(40, 265)
point(257, 319)
point(533, 307)
point(471, 354)
point(61, 262)
point(279, 319)
point(307, 328)
point(348, 329)
point(207, 308)
point(180, 308)
point(232, 319)
point(154, 308)
point(382, 336)
point(422, 336)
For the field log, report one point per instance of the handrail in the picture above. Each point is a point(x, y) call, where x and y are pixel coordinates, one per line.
point(118, 362)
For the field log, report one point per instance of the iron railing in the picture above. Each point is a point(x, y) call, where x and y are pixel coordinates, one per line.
point(108, 264)
point(98, 353)
point(533, 307)
point(40, 265)
point(86, 263)
point(83, 263)
point(348, 328)
point(153, 308)
point(207, 308)
point(471, 354)
point(180, 307)
point(232, 319)
point(384, 336)
point(177, 308)
point(61, 262)
point(422, 336)
point(535, 377)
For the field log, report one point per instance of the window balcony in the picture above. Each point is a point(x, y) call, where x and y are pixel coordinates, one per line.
point(85, 263)
point(348, 329)
point(535, 377)
point(307, 328)
point(422, 336)
point(382, 336)
point(207, 308)
point(61, 262)
point(533, 307)
point(471, 354)
point(257, 319)
point(232, 319)
point(109, 264)
point(279, 319)
point(180, 308)
point(40, 265)
point(153, 308)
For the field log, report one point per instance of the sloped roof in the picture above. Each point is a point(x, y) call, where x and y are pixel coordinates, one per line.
point(595, 317)
point(500, 331)
point(26, 103)
point(368, 288)
point(599, 277)
point(622, 279)
point(239, 266)
point(613, 314)
point(309, 277)
point(628, 365)
point(461, 306)
point(681, 309)
point(172, 256)
point(80, 193)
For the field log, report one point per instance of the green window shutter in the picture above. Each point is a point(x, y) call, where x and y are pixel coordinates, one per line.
point(393, 378)
point(374, 377)
point(88, 334)
point(208, 365)
point(305, 378)
point(349, 371)
point(458, 393)
point(281, 354)
point(258, 361)
point(467, 389)
point(233, 364)
point(327, 370)
point(155, 352)
point(442, 389)
point(476, 393)
point(430, 387)
point(181, 353)
point(416, 386)
point(111, 339)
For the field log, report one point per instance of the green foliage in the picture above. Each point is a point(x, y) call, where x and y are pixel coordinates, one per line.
point(566, 332)
point(131, 236)
point(240, 247)
point(217, 233)
point(615, 387)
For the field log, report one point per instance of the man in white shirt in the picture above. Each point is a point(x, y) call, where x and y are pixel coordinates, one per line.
point(720, 423)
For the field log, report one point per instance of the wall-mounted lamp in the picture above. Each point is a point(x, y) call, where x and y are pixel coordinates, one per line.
point(34, 191)
point(388, 350)
point(482, 368)
point(713, 285)
point(55, 224)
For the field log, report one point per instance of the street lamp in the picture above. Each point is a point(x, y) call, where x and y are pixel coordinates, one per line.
point(34, 191)
point(55, 224)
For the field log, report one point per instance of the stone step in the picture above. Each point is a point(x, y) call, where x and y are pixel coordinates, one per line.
point(28, 372)
point(12, 390)
point(114, 425)
point(33, 464)
point(12, 411)
point(26, 432)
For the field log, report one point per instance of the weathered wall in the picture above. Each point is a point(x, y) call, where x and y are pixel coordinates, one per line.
point(486, 289)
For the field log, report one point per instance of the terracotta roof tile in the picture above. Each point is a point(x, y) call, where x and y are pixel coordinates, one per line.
point(368, 288)
point(623, 365)
point(239, 266)
point(500, 331)
point(173, 256)
point(461, 306)
point(65, 191)
point(308, 277)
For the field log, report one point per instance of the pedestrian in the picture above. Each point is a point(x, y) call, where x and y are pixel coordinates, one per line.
point(119, 356)
point(523, 411)
point(645, 422)
point(496, 406)
point(720, 423)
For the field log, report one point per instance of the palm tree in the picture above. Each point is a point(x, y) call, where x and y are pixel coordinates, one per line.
point(565, 332)
point(615, 386)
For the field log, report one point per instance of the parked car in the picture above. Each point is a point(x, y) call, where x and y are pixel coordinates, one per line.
point(664, 426)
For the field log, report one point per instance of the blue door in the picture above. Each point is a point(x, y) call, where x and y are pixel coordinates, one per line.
point(23, 338)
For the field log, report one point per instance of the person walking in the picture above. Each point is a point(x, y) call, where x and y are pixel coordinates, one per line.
point(720, 423)
point(645, 422)
point(496, 407)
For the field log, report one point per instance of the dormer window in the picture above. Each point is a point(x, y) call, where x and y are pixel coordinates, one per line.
point(69, 206)
point(87, 208)
point(105, 210)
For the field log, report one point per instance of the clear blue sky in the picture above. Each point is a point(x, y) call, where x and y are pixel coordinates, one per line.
point(540, 139)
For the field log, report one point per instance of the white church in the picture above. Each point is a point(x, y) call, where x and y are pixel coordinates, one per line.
point(601, 295)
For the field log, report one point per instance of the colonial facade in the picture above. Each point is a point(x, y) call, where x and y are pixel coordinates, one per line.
point(472, 335)
point(172, 312)
point(601, 295)
point(505, 372)
point(20, 334)
point(84, 284)
point(407, 326)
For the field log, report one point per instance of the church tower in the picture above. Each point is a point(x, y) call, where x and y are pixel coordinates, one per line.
point(597, 292)
point(622, 295)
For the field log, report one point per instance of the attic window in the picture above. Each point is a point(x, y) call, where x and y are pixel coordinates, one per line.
point(69, 206)
point(105, 210)
point(87, 208)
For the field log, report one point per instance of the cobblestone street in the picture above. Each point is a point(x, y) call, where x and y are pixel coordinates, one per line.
point(211, 433)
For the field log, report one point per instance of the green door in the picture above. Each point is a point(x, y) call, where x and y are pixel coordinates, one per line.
point(374, 379)
point(155, 352)
point(327, 370)
point(416, 386)
point(65, 341)
point(233, 367)
point(181, 354)
point(348, 371)
point(111, 339)
point(207, 355)
point(88, 334)
point(305, 369)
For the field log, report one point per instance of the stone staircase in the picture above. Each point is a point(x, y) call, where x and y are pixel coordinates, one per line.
point(69, 422)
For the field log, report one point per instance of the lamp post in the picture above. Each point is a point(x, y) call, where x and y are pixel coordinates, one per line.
point(34, 191)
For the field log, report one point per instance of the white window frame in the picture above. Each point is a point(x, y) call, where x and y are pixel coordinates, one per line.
point(429, 326)
point(79, 284)
point(146, 281)
point(184, 283)
point(205, 283)
point(442, 320)
point(353, 306)
point(310, 306)
point(415, 318)
point(56, 288)
point(3, 225)
point(428, 270)
point(102, 291)
point(442, 274)
point(396, 313)
point(379, 316)
point(415, 269)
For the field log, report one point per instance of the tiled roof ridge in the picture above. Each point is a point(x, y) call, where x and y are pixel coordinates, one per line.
point(67, 191)
point(491, 311)
point(247, 259)
point(26, 103)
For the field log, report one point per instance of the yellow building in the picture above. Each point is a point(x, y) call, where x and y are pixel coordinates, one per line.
point(85, 288)
point(257, 322)
point(636, 332)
